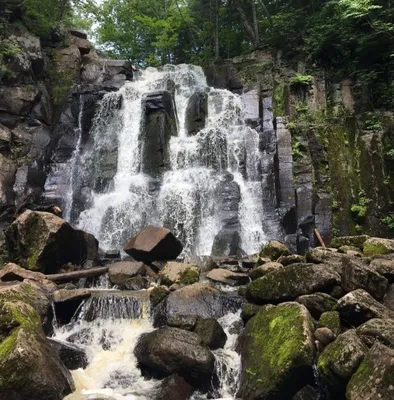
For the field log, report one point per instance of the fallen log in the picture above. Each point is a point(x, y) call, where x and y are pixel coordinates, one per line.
point(83, 273)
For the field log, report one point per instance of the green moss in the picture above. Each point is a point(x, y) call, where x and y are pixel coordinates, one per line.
point(277, 344)
point(158, 294)
point(374, 249)
point(279, 100)
point(249, 310)
point(331, 320)
point(362, 375)
point(189, 276)
point(274, 250)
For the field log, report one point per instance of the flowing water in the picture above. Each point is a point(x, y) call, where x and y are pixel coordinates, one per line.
point(122, 200)
point(107, 326)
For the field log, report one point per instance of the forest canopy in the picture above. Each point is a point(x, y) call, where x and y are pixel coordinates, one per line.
point(345, 37)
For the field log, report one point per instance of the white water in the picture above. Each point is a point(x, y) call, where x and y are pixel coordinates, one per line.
point(184, 199)
point(112, 372)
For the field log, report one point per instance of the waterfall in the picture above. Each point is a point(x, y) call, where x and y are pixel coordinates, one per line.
point(123, 197)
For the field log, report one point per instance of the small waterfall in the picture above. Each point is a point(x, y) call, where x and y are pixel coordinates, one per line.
point(119, 199)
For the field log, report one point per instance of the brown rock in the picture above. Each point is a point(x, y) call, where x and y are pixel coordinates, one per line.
point(227, 277)
point(120, 272)
point(325, 336)
point(264, 269)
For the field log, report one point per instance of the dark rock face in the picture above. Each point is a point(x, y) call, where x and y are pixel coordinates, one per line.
point(66, 302)
point(196, 112)
point(377, 329)
point(174, 387)
point(154, 244)
point(44, 242)
point(290, 282)
point(374, 377)
point(210, 332)
point(277, 352)
point(317, 303)
point(72, 356)
point(171, 350)
point(160, 125)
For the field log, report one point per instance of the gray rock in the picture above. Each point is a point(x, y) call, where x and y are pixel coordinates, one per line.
point(187, 322)
point(171, 350)
point(374, 377)
point(5, 139)
point(388, 299)
point(19, 100)
point(196, 112)
point(120, 272)
point(331, 320)
point(173, 387)
point(325, 336)
point(376, 246)
point(377, 329)
point(227, 277)
point(71, 355)
point(174, 272)
point(384, 267)
point(317, 303)
point(274, 249)
point(359, 306)
point(7, 179)
point(264, 269)
point(355, 241)
point(210, 332)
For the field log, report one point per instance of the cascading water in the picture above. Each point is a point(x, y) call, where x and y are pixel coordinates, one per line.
point(123, 199)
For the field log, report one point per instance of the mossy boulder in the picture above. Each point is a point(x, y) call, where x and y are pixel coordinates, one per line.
point(263, 269)
point(378, 246)
point(183, 273)
point(41, 241)
point(317, 303)
point(291, 282)
point(374, 378)
point(340, 359)
point(29, 368)
point(249, 310)
point(277, 351)
point(384, 267)
point(274, 249)
point(353, 241)
point(377, 329)
point(210, 332)
point(331, 320)
point(158, 294)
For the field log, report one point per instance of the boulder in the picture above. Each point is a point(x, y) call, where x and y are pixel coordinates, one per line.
point(29, 368)
point(221, 275)
point(121, 272)
point(158, 294)
point(196, 112)
point(331, 320)
point(168, 351)
point(71, 355)
point(18, 100)
point(43, 242)
point(199, 299)
point(7, 179)
point(328, 256)
point(377, 329)
point(249, 310)
point(350, 250)
point(359, 306)
point(226, 243)
point(354, 241)
point(210, 332)
point(340, 359)
point(277, 352)
point(5, 139)
point(175, 272)
point(374, 378)
point(325, 336)
point(356, 276)
point(154, 244)
point(291, 259)
point(377, 246)
point(173, 387)
point(187, 322)
point(317, 303)
point(274, 249)
point(263, 269)
point(291, 282)
point(384, 267)
point(388, 299)
point(12, 272)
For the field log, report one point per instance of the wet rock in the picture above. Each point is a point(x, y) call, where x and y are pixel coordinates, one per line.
point(158, 294)
point(221, 275)
point(263, 269)
point(317, 303)
point(187, 322)
point(308, 392)
point(325, 336)
point(248, 311)
point(171, 350)
point(291, 282)
point(274, 249)
point(174, 387)
point(341, 358)
point(29, 368)
point(383, 267)
point(359, 306)
point(277, 352)
point(196, 112)
point(355, 276)
point(376, 246)
point(67, 302)
point(331, 320)
point(72, 356)
point(374, 378)
point(41, 241)
point(226, 243)
point(210, 332)
point(291, 259)
point(174, 272)
point(154, 244)
point(354, 241)
point(119, 273)
point(377, 329)
point(136, 283)
point(112, 254)
point(7, 179)
point(204, 262)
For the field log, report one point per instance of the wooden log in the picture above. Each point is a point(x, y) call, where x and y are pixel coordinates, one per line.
point(83, 273)
point(320, 239)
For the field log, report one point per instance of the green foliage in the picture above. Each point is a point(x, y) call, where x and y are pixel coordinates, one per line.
point(372, 121)
point(360, 208)
point(389, 220)
point(300, 80)
point(8, 49)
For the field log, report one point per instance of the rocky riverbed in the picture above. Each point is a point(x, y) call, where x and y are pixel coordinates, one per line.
point(272, 325)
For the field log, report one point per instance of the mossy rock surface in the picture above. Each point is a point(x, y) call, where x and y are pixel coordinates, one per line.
point(377, 329)
point(317, 303)
point(174, 272)
point(274, 249)
point(340, 359)
point(331, 320)
point(158, 294)
point(277, 351)
point(292, 281)
point(353, 241)
point(374, 378)
point(378, 246)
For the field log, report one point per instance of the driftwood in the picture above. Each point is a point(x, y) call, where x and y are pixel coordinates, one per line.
point(83, 273)
point(320, 239)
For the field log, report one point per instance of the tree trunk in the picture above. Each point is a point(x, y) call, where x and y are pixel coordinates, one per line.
point(248, 27)
point(255, 24)
point(217, 31)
